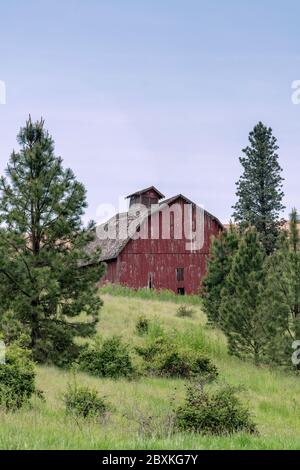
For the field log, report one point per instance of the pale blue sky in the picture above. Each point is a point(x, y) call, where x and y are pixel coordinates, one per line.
point(159, 92)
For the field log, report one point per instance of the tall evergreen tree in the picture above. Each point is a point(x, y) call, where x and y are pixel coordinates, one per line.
point(218, 267)
point(243, 323)
point(259, 189)
point(283, 288)
point(47, 275)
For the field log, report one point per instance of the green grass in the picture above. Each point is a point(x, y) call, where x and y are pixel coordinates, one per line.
point(150, 294)
point(272, 395)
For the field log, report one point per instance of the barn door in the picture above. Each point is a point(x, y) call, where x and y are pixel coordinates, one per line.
point(150, 281)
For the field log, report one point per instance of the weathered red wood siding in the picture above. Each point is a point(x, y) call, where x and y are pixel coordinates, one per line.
point(161, 257)
point(111, 274)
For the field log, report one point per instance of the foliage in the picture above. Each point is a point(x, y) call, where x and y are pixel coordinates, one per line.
point(17, 378)
point(65, 352)
point(218, 267)
point(217, 412)
point(259, 189)
point(84, 402)
point(142, 325)
point(243, 320)
point(47, 275)
point(185, 312)
point(282, 294)
point(163, 357)
point(152, 348)
point(13, 331)
point(111, 358)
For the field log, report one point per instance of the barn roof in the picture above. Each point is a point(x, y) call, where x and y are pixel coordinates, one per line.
point(141, 191)
point(174, 198)
point(111, 248)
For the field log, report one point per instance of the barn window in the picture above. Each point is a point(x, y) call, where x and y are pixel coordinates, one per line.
point(179, 274)
point(145, 201)
point(172, 225)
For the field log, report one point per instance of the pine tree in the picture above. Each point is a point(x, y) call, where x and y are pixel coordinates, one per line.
point(47, 275)
point(219, 264)
point(243, 323)
point(283, 289)
point(259, 189)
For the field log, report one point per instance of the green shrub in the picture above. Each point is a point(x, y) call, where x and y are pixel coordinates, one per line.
point(142, 325)
point(13, 331)
point(185, 364)
point(153, 348)
point(218, 412)
point(59, 347)
point(84, 402)
point(173, 364)
point(17, 378)
point(108, 359)
point(185, 312)
point(163, 357)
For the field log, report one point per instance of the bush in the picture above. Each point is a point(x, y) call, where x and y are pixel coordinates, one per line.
point(163, 357)
point(13, 331)
point(17, 378)
point(218, 412)
point(185, 312)
point(58, 348)
point(109, 359)
point(142, 325)
point(173, 364)
point(84, 402)
point(185, 364)
point(153, 348)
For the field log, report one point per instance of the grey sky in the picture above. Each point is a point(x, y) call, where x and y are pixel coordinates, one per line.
point(160, 92)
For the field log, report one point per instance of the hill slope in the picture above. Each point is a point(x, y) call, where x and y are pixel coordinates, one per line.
point(140, 408)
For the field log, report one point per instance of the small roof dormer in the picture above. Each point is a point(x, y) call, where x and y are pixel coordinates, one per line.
point(147, 197)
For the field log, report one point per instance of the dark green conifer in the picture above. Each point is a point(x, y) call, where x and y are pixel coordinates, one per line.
point(218, 267)
point(242, 320)
point(47, 275)
point(282, 296)
point(259, 189)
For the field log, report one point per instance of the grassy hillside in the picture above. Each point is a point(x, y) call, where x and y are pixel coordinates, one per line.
point(140, 408)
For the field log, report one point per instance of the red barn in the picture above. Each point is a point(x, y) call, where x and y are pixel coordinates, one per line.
point(159, 243)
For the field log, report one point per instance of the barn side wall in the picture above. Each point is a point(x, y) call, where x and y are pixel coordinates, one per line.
point(145, 259)
point(111, 273)
point(136, 268)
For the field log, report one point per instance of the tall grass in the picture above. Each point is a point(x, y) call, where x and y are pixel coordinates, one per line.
point(150, 294)
point(140, 409)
